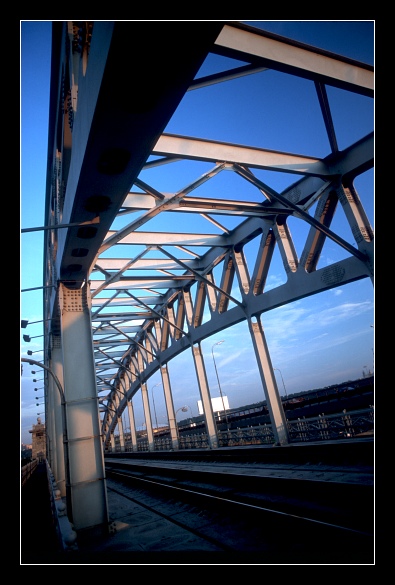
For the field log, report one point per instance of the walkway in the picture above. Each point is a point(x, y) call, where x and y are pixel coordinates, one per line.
point(38, 538)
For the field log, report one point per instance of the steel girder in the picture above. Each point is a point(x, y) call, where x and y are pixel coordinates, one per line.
point(175, 281)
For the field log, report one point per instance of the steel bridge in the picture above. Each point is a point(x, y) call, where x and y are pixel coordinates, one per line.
point(128, 284)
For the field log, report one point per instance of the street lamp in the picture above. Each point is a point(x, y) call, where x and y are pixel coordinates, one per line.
point(30, 352)
point(286, 395)
point(36, 389)
point(219, 385)
point(55, 379)
point(153, 402)
point(25, 322)
point(190, 410)
point(28, 339)
point(184, 409)
point(36, 379)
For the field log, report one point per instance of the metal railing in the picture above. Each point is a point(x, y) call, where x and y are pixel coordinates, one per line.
point(67, 537)
point(27, 471)
point(321, 428)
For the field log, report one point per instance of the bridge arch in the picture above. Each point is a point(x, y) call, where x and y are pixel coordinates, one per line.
point(157, 240)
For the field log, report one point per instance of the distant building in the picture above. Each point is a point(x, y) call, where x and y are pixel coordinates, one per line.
point(219, 404)
point(38, 440)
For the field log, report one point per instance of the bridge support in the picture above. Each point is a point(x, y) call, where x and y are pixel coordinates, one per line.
point(87, 505)
point(205, 396)
point(132, 424)
point(273, 398)
point(147, 417)
point(57, 460)
point(170, 407)
point(120, 424)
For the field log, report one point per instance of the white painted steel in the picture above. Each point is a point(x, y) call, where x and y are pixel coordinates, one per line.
point(148, 288)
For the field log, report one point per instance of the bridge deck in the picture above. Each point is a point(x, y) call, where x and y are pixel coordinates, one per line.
point(148, 540)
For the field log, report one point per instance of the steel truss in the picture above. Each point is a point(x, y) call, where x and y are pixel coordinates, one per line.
point(152, 285)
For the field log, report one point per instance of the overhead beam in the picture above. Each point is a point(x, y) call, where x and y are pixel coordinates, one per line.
point(244, 43)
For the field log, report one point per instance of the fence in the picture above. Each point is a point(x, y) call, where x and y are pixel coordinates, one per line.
point(321, 428)
point(27, 471)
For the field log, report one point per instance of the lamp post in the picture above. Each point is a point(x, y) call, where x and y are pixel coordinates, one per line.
point(153, 402)
point(219, 385)
point(184, 409)
point(25, 322)
point(27, 338)
point(32, 362)
point(191, 412)
point(285, 391)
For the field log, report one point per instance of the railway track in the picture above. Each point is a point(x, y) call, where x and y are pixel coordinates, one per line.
point(257, 512)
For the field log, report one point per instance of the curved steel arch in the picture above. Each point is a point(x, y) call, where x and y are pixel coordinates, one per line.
point(148, 301)
point(304, 279)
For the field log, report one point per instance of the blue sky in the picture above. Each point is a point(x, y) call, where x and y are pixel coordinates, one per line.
point(314, 342)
